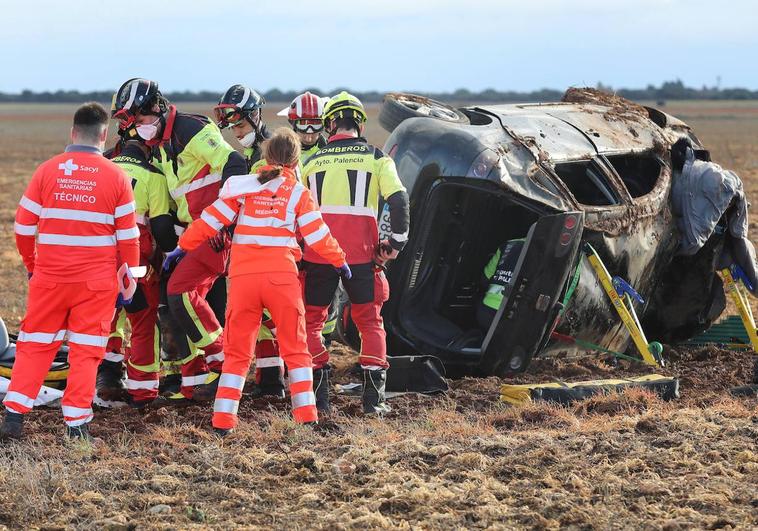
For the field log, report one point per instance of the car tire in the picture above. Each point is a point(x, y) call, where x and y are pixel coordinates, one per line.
point(399, 106)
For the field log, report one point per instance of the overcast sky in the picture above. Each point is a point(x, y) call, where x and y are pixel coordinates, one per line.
point(410, 45)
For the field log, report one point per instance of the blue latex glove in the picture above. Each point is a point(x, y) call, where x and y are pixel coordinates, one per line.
point(173, 258)
point(121, 301)
point(344, 271)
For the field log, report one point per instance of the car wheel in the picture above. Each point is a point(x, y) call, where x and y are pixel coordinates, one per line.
point(398, 106)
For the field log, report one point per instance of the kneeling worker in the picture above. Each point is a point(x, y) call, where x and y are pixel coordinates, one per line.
point(263, 272)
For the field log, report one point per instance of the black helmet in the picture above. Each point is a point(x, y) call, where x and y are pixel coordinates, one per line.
point(137, 96)
point(238, 103)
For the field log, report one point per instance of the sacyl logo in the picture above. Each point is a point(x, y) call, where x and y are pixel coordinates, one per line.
point(68, 167)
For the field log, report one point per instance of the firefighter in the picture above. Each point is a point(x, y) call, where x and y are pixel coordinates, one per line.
point(268, 209)
point(304, 115)
point(157, 235)
point(80, 207)
point(346, 178)
point(239, 110)
point(196, 160)
point(497, 274)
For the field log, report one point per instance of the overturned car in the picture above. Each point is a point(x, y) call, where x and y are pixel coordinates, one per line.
point(592, 168)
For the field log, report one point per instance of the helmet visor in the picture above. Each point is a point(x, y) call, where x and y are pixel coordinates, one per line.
point(308, 126)
point(228, 115)
point(124, 117)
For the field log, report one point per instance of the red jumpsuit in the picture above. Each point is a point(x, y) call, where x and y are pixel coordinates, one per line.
point(263, 274)
point(81, 208)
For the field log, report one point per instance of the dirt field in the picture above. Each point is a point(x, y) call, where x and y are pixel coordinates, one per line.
point(462, 460)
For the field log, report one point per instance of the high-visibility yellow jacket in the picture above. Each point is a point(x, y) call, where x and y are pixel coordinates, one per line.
point(346, 178)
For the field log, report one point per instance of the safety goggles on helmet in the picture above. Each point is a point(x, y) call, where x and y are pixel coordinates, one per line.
point(308, 126)
point(228, 115)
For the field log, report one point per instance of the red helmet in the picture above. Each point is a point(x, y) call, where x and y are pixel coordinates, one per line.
point(304, 113)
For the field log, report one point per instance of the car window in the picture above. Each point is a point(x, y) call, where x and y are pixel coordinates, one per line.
point(640, 172)
point(587, 182)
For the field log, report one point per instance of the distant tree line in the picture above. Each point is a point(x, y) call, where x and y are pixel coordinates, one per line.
point(670, 90)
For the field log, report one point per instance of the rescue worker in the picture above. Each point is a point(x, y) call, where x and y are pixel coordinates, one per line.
point(346, 178)
point(304, 115)
point(239, 110)
point(498, 273)
point(268, 209)
point(156, 224)
point(196, 160)
point(80, 207)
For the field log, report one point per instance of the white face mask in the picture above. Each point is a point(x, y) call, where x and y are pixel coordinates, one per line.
point(148, 131)
point(248, 139)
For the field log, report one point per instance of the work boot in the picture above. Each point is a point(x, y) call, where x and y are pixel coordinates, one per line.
point(373, 392)
point(13, 426)
point(109, 385)
point(206, 392)
point(79, 433)
point(321, 389)
point(271, 383)
point(222, 432)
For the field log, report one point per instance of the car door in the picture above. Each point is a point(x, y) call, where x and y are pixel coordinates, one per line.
point(531, 304)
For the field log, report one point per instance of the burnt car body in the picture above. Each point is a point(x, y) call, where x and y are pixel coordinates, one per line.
point(593, 169)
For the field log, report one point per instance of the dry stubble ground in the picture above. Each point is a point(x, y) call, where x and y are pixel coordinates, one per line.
point(461, 460)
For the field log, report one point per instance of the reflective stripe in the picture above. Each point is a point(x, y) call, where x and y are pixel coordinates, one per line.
point(250, 221)
point(114, 356)
point(31, 206)
point(265, 241)
point(141, 384)
point(123, 210)
point(297, 193)
point(25, 230)
point(211, 220)
point(76, 241)
point(142, 219)
point(306, 398)
point(132, 95)
point(372, 367)
point(127, 234)
point(316, 236)
point(75, 412)
point(78, 422)
point(226, 405)
point(194, 185)
point(87, 339)
point(224, 209)
point(215, 357)
point(301, 374)
point(233, 381)
point(275, 361)
point(13, 410)
point(360, 188)
point(348, 210)
point(309, 217)
point(400, 237)
point(189, 381)
point(41, 337)
point(76, 215)
point(18, 398)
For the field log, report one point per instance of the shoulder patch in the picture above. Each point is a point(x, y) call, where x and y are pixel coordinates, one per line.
point(378, 153)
